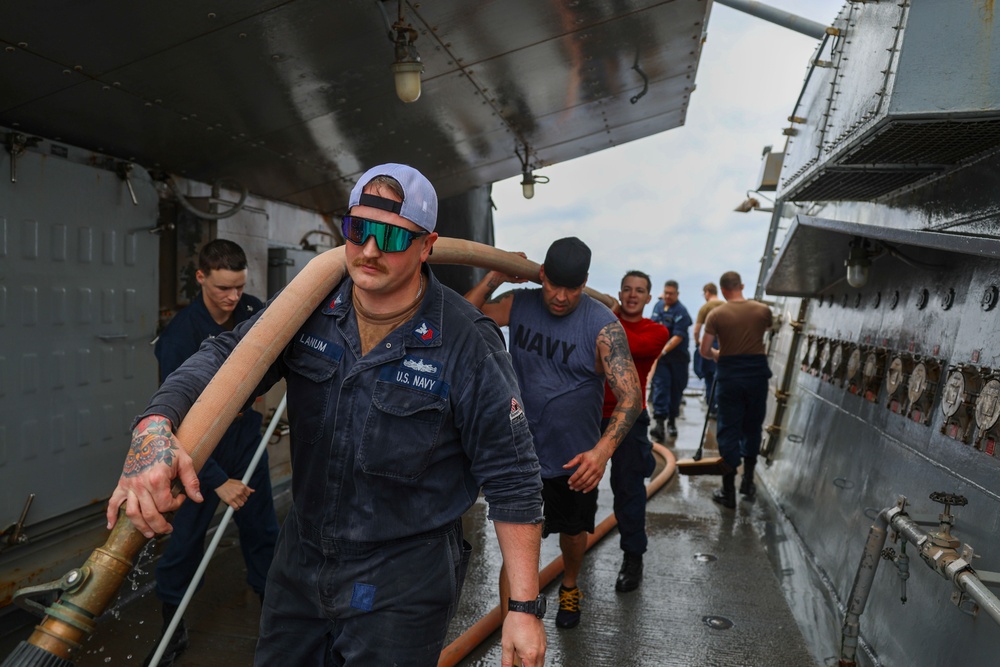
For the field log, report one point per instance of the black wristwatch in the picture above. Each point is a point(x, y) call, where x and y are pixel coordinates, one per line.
point(535, 607)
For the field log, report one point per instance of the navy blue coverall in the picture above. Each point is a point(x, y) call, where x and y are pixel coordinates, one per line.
point(256, 520)
point(389, 449)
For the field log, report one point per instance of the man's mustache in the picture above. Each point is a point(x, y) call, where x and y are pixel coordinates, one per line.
point(358, 263)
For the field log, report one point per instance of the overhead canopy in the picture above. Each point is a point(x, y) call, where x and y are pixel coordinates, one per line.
point(295, 98)
point(813, 254)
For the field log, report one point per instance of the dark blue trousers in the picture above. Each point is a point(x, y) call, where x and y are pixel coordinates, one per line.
point(333, 602)
point(705, 369)
point(256, 521)
point(669, 381)
point(631, 464)
point(742, 408)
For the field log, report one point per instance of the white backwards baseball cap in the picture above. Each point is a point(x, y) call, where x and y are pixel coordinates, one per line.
point(420, 203)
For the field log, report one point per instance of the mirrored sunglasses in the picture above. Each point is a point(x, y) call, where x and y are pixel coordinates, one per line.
point(388, 238)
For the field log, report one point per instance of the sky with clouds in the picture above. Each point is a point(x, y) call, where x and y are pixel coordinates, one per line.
point(664, 204)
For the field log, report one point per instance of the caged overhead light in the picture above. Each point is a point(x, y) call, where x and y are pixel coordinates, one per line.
point(528, 178)
point(858, 262)
point(407, 67)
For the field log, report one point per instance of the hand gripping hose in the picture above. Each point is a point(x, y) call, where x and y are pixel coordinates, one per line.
point(88, 590)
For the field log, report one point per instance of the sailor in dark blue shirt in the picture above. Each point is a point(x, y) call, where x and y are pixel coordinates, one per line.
point(671, 374)
point(218, 307)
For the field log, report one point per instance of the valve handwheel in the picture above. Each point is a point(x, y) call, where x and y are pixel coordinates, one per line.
point(949, 498)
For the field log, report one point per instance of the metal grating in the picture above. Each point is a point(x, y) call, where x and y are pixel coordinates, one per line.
point(832, 185)
point(895, 155)
point(944, 142)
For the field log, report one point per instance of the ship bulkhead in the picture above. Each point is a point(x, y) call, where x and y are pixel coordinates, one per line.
point(887, 358)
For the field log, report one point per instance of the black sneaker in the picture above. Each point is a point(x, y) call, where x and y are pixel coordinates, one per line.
point(672, 429)
point(630, 574)
point(178, 643)
point(568, 615)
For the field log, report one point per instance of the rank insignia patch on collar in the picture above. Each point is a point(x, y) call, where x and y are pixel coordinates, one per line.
point(425, 334)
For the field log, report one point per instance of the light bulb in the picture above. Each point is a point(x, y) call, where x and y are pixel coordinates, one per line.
point(857, 263)
point(857, 273)
point(528, 187)
point(407, 75)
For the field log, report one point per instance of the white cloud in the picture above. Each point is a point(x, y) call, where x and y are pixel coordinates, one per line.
point(664, 204)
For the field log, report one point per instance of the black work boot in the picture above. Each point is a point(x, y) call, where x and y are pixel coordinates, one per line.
point(671, 428)
point(747, 488)
point(178, 642)
point(658, 433)
point(630, 574)
point(726, 496)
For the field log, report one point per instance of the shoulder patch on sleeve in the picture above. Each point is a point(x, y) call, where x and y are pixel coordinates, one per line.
point(516, 413)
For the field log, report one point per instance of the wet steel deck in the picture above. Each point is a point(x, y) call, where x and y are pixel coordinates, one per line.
point(703, 562)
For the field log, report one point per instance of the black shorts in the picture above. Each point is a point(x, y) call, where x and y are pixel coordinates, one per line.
point(567, 511)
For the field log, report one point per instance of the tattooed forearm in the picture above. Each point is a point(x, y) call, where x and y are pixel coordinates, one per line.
point(501, 298)
point(152, 444)
point(619, 370)
point(618, 427)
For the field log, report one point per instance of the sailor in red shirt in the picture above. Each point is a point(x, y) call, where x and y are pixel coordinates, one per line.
point(633, 461)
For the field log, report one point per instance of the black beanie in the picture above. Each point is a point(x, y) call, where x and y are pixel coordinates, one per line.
point(567, 262)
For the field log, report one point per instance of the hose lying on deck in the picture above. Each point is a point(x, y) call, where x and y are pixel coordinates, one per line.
point(88, 590)
point(480, 631)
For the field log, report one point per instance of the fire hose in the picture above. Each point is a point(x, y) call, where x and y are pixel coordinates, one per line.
point(86, 591)
point(454, 652)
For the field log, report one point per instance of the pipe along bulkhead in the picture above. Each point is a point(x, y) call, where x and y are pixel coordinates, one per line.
point(939, 550)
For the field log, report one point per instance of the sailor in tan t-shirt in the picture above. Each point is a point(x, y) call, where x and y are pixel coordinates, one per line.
point(741, 382)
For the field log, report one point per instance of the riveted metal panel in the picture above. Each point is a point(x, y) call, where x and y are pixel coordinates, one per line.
point(843, 97)
point(295, 99)
point(908, 92)
point(948, 59)
point(843, 457)
point(77, 310)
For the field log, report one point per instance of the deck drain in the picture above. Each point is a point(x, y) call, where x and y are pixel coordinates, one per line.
point(717, 622)
point(705, 558)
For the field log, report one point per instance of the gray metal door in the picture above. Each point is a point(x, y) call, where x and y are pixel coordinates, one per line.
point(78, 307)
